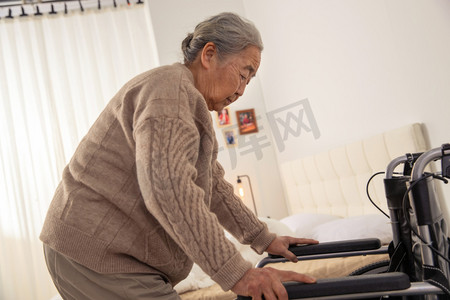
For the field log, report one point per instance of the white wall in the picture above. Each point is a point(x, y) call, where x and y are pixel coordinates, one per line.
point(366, 66)
point(172, 20)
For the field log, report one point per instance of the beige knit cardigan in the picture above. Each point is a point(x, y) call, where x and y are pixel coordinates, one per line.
point(145, 193)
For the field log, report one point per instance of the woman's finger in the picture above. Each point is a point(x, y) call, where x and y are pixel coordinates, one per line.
point(279, 290)
point(298, 241)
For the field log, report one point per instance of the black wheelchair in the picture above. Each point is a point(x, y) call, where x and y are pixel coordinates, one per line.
point(418, 268)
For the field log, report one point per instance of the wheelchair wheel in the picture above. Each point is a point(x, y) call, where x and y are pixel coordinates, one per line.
point(374, 268)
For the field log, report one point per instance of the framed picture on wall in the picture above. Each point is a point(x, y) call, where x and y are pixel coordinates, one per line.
point(246, 121)
point(230, 137)
point(223, 117)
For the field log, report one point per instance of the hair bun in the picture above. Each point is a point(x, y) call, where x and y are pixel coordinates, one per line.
point(187, 41)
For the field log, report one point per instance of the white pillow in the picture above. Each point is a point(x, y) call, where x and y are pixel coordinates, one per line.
point(277, 227)
point(302, 224)
point(358, 227)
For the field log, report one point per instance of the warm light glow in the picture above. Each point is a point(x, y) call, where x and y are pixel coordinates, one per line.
point(240, 188)
point(241, 191)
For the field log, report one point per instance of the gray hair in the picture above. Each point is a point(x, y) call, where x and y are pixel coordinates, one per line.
point(229, 32)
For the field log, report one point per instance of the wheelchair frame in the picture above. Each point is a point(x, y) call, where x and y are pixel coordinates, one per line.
point(418, 228)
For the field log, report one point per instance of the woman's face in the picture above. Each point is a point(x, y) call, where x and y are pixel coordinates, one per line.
point(228, 78)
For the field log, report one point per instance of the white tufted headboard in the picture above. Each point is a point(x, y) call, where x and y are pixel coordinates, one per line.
point(334, 182)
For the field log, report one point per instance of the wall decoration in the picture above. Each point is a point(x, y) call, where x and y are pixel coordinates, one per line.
point(246, 121)
point(223, 117)
point(230, 137)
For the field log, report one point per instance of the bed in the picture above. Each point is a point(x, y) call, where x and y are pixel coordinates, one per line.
point(327, 201)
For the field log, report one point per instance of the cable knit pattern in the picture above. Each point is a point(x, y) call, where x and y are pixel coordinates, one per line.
point(144, 192)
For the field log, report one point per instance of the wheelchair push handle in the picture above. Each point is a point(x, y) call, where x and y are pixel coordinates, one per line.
point(408, 160)
point(442, 153)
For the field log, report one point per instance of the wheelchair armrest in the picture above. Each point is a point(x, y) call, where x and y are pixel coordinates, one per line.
point(334, 247)
point(330, 250)
point(347, 285)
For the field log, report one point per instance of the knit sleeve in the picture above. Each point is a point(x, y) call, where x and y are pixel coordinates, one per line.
point(166, 153)
point(235, 216)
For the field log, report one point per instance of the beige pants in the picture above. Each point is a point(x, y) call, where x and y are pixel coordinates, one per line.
point(75, 281)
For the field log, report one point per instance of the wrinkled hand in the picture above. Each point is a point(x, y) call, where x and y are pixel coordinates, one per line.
point(280, 245)
point(267, 281)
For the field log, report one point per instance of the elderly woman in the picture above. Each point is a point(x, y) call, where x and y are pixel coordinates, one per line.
point(144, 197)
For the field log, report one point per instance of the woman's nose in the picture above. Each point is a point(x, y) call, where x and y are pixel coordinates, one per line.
point(240, 91)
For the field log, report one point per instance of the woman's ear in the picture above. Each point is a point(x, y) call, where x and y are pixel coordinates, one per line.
point(209, 52)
